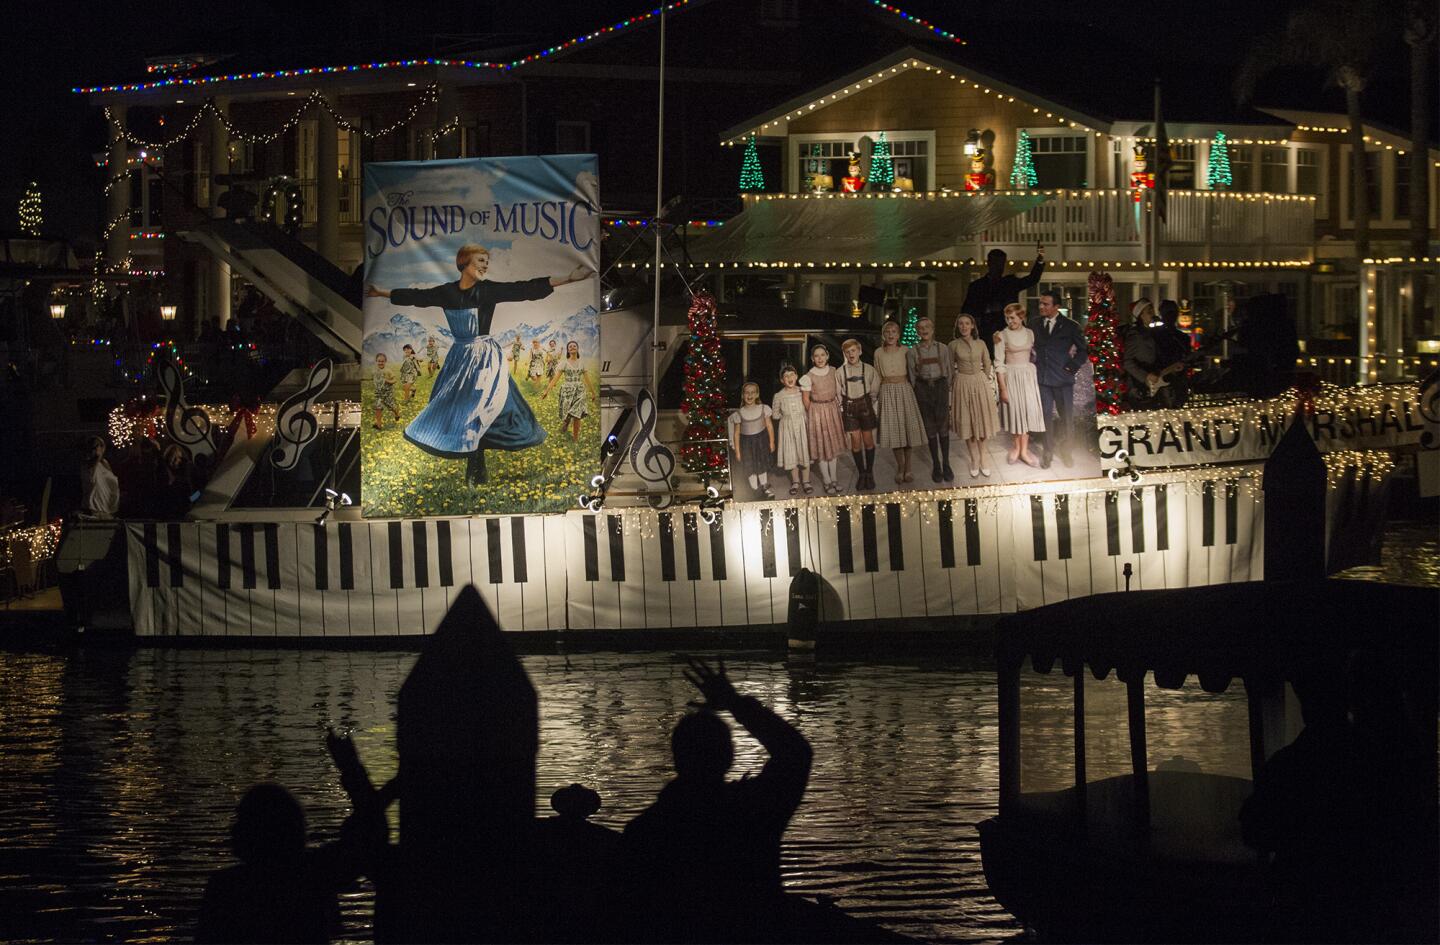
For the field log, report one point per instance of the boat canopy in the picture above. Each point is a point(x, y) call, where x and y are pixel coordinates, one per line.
point(1258, 631)
point(857, 229)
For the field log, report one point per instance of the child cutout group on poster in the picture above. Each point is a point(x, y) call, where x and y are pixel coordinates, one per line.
point(752, 438)
point(384, 380)
point(792, 452)
point(573, 401)
point(821, 391)
point(409, 373)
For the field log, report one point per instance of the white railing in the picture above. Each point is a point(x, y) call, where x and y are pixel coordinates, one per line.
point(1200, 226)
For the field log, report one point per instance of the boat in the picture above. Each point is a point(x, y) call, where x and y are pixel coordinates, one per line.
point(1156, 854)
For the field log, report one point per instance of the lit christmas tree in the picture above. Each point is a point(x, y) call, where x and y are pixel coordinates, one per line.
point(1219, 176)
point(31, 215)
point(1102, 336)
point(1022, 173)
point(704, 395)
point(909, 337)
point(882, 165)
point(752, 178)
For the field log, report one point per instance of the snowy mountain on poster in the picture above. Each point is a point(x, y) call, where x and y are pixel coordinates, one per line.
point(402, 330)
point(583, 327)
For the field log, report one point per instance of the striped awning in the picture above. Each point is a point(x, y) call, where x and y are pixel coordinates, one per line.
point(857, 229)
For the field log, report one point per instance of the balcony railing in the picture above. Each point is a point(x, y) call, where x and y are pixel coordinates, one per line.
point(1200, 226)
point(349, 193)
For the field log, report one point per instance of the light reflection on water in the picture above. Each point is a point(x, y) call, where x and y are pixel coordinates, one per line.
point(121, 771)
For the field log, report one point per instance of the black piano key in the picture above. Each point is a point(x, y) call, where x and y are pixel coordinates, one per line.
point(1062, 525)
point(272, 556)
point(896, 536)
point(347, 558)
point(615, 525)
point(1207, 514)
point(172, 554)
point(972, 532)
point(442, 551)
point(421, 544)
point(492, 547)
point(1232, 512)
point(1162, 518)
point(1112, 523)
point(247, 556)
point(322, 558)
point(1137, 521)
point(792, 539)
point(397, 554)
point(767, 543)
point(691, 527)
point(222, 556)
point(867, 538)
point(1037, 527)
point(517, 550)
point(845, 540)
point(667, 546)
point(717, 548)
point(152, 556)
point(947, 533)
point(592, 551)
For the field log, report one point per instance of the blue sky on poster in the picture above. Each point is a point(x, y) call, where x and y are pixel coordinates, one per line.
point(482, 185)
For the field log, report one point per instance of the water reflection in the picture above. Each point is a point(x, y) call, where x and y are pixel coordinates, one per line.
point(122, 770)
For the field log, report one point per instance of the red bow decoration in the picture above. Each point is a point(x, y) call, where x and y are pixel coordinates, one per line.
point(242, 410)
point(1307, 385)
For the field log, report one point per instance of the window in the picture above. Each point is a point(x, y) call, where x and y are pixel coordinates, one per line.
point(900, 297)
point(475, 139)
point(422, 143)
point(1275, 170)
point(1182, 167)
point(837, 298)
point(1307, 171)
point(1402, 188)
point(1242, 167)
point(572, 137)
point(821, 165)
point(242, 157)
point(1060, 160)
point(1372, 181)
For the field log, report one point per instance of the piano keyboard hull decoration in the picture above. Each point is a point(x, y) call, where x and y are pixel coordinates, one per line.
point(888, 557)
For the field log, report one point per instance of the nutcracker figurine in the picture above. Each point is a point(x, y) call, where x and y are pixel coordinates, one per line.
point(979, 178)
point(852, 182)
point(1186, 323)
point(1141, 180)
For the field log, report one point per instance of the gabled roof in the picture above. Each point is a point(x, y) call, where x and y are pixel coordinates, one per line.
point(1390, 139)
point(901, 62)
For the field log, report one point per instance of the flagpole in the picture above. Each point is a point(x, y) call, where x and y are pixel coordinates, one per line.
point(1160, 169)
point(659, 205)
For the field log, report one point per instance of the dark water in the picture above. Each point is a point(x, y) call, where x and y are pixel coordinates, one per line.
point(119, 770)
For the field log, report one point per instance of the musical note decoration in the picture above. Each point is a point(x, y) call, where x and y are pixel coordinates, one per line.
point(295, 423)
point(187, 426)
point(653, 461)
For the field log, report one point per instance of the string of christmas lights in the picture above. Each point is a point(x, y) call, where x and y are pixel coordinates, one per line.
point(1102, 338)
point(30, 211)
point(142, 418)
point(703, 401)
point(40, 541)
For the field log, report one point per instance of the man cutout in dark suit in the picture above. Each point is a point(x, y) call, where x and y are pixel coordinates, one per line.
point(987, 296)
point(1059, 352)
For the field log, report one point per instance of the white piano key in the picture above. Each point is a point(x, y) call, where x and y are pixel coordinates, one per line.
point(1149, 560)
point(581, 542)
point(1247, 562)
point(362, 603)
point(210, 617)
point(1197, 556)
point(409, 604)
point(1078, 568)
point(462, 557)
point(1027, 569)
point(917, 574)
point(434, 595)
point(557, 536)
point(1176, 555)
point(825, 552)
point(735, 605)
point(861, 598)
point(190, 598)
point(1102, 508)
point(997, 549)
point(508, 592)
point(289, 619)
point(888, 516)
point(649, 549)
point(937, 534)
point(534, 590)
point(706, 590)
point(382, 561)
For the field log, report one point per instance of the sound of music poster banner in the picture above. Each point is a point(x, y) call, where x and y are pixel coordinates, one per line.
point(482, 342)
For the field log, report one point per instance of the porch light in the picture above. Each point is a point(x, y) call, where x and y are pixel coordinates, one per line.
point(168, 312)
point(57, 310)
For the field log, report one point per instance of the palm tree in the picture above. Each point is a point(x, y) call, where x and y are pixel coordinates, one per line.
point(1420, 35)
point(1341, 37)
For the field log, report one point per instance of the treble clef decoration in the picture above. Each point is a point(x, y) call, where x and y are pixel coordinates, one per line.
point(653, 461)
point(186, 425)
point(295, 423)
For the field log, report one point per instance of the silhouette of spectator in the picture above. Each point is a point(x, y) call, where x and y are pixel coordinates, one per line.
point(705, 857)
point(1310, 811)
point(280, 892)
point(580, 868)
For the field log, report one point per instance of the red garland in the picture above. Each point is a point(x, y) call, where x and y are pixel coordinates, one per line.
point(704, 396)
point(1102, 334)
point(143, 409)
point(242, 410)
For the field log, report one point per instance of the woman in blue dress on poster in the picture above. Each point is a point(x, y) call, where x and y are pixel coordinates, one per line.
point(475, 405)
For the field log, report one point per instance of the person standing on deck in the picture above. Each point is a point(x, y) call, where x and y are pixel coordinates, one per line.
point(987, 296)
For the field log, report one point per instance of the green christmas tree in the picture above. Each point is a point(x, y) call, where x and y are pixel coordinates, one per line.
point(703, 452)
point(1102, 337)
point(752, 178)
point(1219, 176)
point(882, 165)
point(1022, 174)
point(32, 217)
point(908, 335)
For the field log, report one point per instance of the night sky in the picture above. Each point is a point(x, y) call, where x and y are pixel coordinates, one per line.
point(49, 135)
